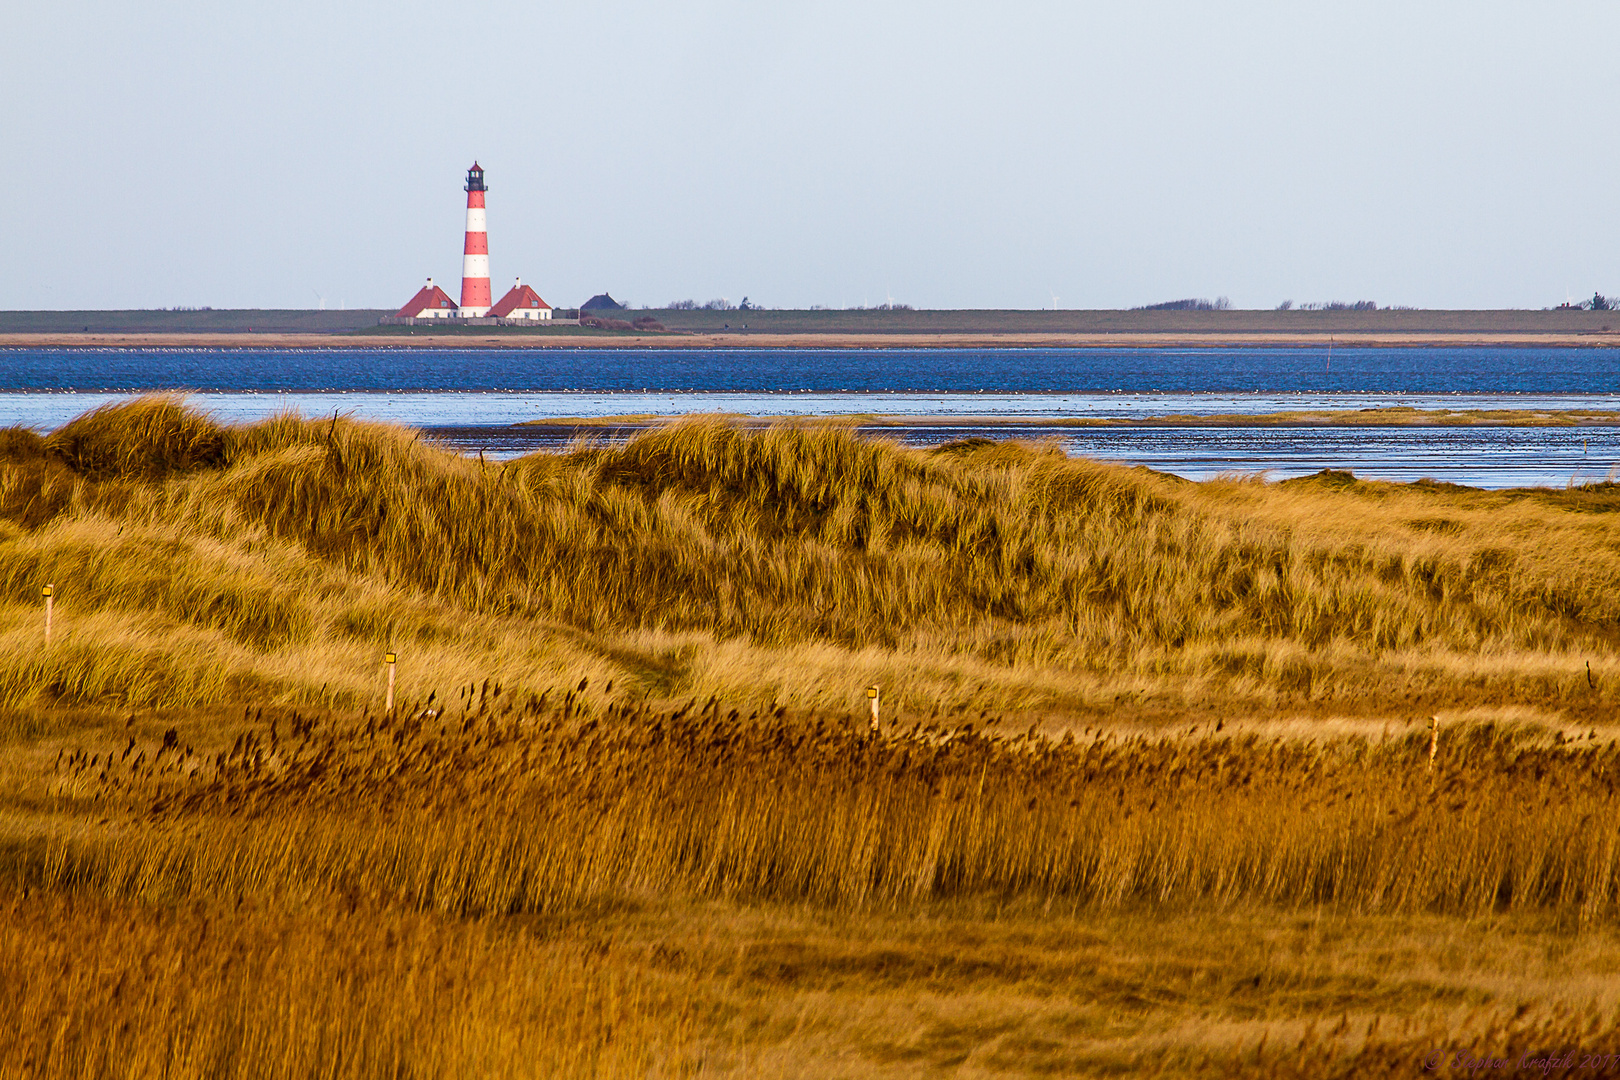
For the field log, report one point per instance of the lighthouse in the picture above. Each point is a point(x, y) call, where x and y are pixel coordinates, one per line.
point(475, 295)
point(521, 306)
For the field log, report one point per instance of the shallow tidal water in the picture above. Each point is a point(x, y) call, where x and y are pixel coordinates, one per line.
point(481, 400)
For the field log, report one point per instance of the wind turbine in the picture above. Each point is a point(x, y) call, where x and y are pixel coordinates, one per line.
point(320, 299)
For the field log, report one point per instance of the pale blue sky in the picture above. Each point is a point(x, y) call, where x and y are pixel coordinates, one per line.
point(1428, 152)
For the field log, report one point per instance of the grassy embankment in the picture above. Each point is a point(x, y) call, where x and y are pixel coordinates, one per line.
point(624, 821)
point(1591, 327)
point(1596, 326)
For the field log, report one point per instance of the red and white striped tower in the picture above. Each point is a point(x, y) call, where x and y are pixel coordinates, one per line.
point(475, 294)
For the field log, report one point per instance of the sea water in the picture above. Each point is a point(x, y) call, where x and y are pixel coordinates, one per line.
point(480, 399)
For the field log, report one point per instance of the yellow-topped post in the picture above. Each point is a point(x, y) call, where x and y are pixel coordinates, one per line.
point(388, 659)
point(872, 697)
point(48, 592)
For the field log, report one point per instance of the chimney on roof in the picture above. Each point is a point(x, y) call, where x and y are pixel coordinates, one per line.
point(517, 283)
point(430, 283)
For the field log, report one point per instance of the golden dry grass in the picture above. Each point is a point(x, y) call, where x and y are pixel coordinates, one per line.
point(795, 563)
point(1153, 794)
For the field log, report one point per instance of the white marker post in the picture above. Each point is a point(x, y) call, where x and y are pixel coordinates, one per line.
point(1434, 740)
point(872, 696)
point(47, 592)
point(388, 658)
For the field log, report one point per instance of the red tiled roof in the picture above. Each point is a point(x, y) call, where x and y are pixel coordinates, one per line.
point(520, 296)
point(428, 296)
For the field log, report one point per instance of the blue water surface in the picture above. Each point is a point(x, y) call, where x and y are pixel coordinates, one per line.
point(1248, 369)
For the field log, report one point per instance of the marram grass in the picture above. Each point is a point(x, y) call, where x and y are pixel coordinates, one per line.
point(701, 557)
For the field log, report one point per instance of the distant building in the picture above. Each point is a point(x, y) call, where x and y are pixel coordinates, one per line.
point(601, 302)
point(430, 302)
point(520, 302)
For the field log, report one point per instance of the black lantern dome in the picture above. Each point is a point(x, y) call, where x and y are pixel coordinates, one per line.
point(475, 178)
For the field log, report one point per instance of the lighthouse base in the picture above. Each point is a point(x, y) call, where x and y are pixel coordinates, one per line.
point(530, 324)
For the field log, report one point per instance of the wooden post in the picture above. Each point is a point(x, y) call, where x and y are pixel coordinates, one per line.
point(47, 592)
point(1434, 739)
point(872, 696)
point(388, 658)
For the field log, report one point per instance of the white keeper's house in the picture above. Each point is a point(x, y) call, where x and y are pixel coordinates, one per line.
point(520, 302)
point(430, 302)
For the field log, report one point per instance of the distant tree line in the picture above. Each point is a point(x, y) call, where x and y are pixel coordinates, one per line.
point(1331, 305)
point(722, 304)
point(1220, 303)
point(1599, 302)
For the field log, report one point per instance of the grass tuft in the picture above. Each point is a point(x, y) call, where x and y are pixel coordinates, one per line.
point(148, 438)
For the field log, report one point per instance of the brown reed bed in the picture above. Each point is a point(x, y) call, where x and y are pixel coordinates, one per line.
point(219, 990)
point(209, 990)
point(699, 892)
point(480, 806)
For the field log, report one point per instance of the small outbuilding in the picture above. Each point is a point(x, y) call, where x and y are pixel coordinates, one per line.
point(430, 302)
point(520, 302)
point(601, 302)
